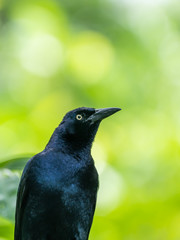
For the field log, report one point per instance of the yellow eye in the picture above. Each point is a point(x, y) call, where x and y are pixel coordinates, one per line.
point(79, 117)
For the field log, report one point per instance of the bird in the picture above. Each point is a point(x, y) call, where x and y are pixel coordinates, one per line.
point(58, 188)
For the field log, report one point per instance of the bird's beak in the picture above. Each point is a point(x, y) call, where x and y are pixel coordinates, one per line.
point(102, 113)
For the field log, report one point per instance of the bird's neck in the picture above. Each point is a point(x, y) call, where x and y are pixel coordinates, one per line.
point(59, 142)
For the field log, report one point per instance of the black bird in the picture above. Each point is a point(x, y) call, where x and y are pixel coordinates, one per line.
point(57, 192)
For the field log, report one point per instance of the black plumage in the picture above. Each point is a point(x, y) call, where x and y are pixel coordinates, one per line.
point(58, 188)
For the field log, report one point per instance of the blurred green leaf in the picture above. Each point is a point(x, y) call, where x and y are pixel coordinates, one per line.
point(17, 163)
point(8, 189)
point(6, 229)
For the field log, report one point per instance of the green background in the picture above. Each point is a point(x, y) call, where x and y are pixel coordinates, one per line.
point(59, 55)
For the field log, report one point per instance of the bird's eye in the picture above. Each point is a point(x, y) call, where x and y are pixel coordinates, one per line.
point(78, 116)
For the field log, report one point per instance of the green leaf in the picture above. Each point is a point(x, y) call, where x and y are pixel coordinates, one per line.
point(15, 163)
point(6, 229)
point(8, 184)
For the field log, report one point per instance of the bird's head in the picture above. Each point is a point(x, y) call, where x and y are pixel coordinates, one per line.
point(80, 125)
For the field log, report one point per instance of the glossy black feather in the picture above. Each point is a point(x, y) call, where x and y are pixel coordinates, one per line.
point(57, 191)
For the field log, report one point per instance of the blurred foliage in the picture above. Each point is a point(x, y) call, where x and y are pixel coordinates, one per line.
point(60, 54)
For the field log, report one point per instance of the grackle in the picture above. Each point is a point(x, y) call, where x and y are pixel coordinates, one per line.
point(57, 192)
